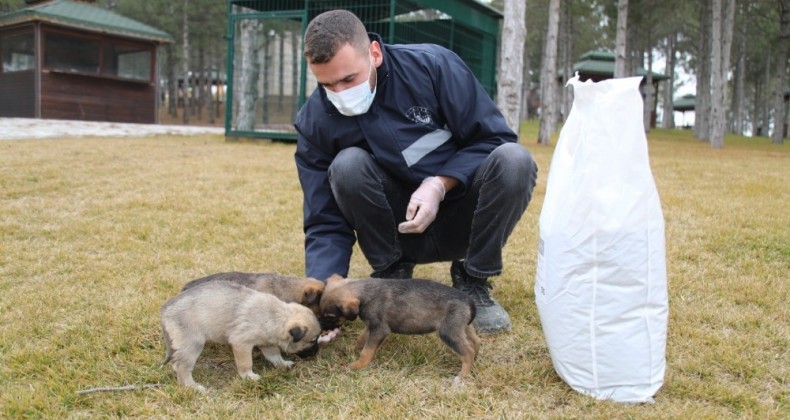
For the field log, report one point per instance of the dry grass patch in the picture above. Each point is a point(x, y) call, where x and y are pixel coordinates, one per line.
point(97, 233)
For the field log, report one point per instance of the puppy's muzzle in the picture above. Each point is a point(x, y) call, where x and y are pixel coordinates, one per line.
point(310, 351)
point(329, 323)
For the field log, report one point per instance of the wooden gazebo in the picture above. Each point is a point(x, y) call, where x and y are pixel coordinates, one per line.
point(65, 59)
point(684, 104)
point(599, 65)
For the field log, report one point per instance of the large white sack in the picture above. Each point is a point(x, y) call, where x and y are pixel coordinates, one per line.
point(601, 286)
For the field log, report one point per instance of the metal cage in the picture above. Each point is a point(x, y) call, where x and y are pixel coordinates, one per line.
point(267, 75)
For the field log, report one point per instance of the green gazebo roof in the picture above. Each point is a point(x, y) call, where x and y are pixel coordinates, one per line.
point(684, 103)
point(601, 63)
point(86, 17)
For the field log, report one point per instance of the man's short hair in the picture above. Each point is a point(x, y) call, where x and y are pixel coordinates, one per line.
point(330, 31)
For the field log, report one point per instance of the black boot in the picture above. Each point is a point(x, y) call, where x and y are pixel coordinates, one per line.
point(401, 269)
point(491, 317)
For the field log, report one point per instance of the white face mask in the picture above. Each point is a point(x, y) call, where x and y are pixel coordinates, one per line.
point(354, 100)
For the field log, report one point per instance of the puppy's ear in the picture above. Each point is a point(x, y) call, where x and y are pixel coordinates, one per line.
point(311, 295)
point(334, 279)
point(350, 309)
point(298, 332)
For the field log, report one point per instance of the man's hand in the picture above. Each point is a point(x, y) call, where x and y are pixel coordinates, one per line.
point(423, 206)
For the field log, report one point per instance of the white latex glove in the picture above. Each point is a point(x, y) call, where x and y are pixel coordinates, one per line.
point(329, 336)
point(423, 206)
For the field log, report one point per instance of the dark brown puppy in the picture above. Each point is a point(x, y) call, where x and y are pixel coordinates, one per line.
point(410, 306)
point(304, 290)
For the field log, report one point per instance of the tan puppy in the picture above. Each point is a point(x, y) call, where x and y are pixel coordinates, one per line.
point(304, 290)
point(410, 306)
point(228, 313)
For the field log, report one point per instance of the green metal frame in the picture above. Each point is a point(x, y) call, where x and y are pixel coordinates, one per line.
point(475, 21)
point(231, 37)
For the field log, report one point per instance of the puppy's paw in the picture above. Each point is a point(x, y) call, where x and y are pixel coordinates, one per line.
point(250, 375)
point(199, 388)
point(458, 382)
point(284, 364)
point(357, 365)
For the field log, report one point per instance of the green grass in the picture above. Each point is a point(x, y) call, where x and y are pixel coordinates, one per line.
point(98, 232)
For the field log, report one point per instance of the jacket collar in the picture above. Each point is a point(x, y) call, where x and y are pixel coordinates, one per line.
point(382, 71)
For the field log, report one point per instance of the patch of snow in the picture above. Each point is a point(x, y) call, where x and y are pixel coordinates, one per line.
point(36, 128)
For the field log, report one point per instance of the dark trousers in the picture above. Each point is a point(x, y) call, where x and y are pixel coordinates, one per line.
point(473, 227)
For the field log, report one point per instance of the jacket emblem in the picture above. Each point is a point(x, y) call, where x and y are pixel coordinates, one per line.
point(420, 115)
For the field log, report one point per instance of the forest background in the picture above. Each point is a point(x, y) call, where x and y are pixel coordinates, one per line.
point(675, 37)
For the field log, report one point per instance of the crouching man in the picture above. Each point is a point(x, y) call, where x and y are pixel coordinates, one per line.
point(401, 149)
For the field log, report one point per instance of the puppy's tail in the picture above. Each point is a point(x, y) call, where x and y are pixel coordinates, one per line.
point(168, 345)
point(472, 312)
point(168, 357)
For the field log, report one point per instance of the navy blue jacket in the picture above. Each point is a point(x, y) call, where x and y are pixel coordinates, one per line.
point(430, 117)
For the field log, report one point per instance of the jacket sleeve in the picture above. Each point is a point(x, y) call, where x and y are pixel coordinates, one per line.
point(478, 126)
point(328, 237)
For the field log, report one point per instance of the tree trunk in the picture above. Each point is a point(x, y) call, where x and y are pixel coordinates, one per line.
point(186, 84)
point(716, 78)
point(246, 76)
point(757, 108)
point(566, 46)
point(766, 99)
point(669, 85)
point(620, 39)
point(737, 120)
point(702, 104)
point(511, 75)
point(548, 77)
point(781, 70)
point(267, 75)
point(726, 54)
point(281, 73)
point(761, 104)
point(172, 82)
point(526, 88)
point(739, 93)
point(721, 45)
point(295, 41)
point(649, 90)
point(210, 80)
point(787, 124)
point(200, 84)
point(634, 55)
